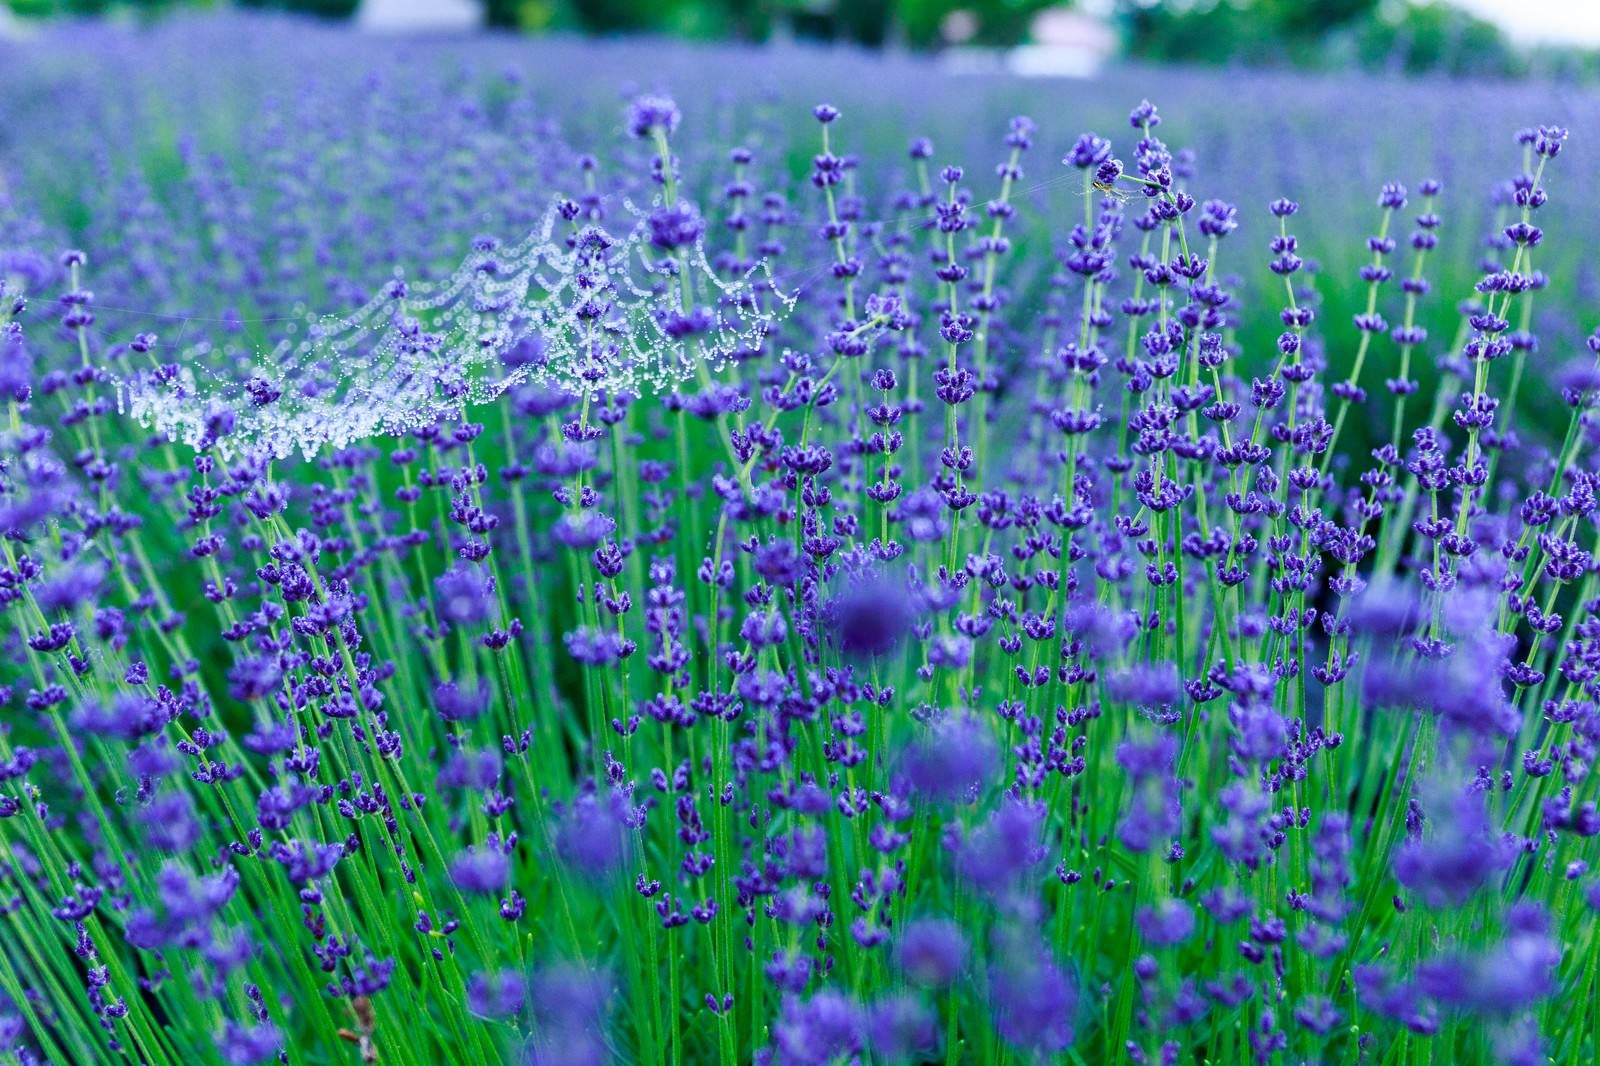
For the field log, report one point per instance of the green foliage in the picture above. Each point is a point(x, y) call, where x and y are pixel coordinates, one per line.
point(1310, 18)
point(999, 22)
point(317, 8)
point(615, 16)
point(871, 23)
point(43, 8)
point(1404, 37)
point(1436, 37)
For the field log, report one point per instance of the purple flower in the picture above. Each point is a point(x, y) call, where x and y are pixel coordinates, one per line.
point(458, 704)
point(592, 836)
point(570, 998)
point(823, 1029)
point(241, 1045)
point(675, 226)
point(779, 564)
point(468, 769)
point(1033, 1002)
point(1167, 923)
point(1090, 150)
point(1460, 854)
point(648, 115)
point(126, 717)
point(1510, 977)
point(995, 854)
point(496, 994)
point(869, 618)
point(597, 647)
point(304, 860)
point(169, 822)
point(77, 584)
point(464, 595)
point(922, 516)
point(953, 759)
point(482, 870)
point(1150, 687)
point(254, 678)
point(902, 1027)
point(932, 952)
point(25, 271)
point(1153, 813)
point(1260, 734)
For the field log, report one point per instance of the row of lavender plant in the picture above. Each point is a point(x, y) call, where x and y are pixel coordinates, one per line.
point(1002, 661)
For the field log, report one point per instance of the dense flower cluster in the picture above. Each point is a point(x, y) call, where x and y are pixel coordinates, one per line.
point(1060, 634)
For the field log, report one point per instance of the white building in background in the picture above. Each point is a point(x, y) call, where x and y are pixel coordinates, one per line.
point(1066, 43)
point(419, 16)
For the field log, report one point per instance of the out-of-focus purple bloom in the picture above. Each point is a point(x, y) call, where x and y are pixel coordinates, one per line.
point(254, 677)
point(245, 1045)
point(1033, 1001)
point(496, 994)
point(1510, 977)
point(650, 114)
point(70, 587)
point(1166, 923)
point(1154, 811)
point(932, 952)
point(456, 703)
point(952, 759)
point(570, 1003)
point(901, 1027)
point(1150, 687)
point(826, 1028)
point(1458, 854)
point(482, 870)
point(464, 595)
point(169, 822)
point(469, 769)
point(869, 617)
point(592, 836)
point(996, 853)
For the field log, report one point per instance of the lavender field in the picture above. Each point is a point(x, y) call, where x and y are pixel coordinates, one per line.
point(577, 552)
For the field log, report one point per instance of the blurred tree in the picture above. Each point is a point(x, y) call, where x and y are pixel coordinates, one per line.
point(918, 23)
point(1228, 31)
point(1199, 33)
point(44, 8)
point(319, 8)
point(1420, 38)
point(865, 21)
point(502, 13)
point(1403, 36)
point(620, 16)
point(680, 18)
point(1310, 18)
point(748, 20)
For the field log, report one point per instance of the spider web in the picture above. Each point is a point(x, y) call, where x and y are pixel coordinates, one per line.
point(580, 311)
